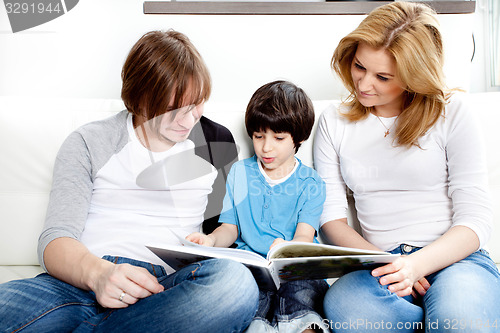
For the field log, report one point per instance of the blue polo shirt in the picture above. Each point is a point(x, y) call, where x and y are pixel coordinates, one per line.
point(263, 212)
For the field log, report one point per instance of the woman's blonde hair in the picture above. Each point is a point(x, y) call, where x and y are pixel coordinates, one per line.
point(410, 33)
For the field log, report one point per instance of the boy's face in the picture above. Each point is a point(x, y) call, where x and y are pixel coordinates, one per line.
point(275, 151)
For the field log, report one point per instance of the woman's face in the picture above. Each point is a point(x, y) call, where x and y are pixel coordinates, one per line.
point(376, 81)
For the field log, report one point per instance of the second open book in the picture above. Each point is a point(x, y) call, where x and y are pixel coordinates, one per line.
point(285, 261)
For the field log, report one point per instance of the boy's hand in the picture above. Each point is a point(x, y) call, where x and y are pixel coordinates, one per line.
point(200, 238)
point(276, 242)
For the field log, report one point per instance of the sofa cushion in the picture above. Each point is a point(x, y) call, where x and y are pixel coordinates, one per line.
point(487, 108)
point(31, 132)
point(8, 273)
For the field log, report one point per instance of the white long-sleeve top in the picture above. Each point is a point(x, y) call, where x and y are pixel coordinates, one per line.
point(405, 195)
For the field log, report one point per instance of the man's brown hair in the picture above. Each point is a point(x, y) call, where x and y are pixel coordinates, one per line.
point(163, 72)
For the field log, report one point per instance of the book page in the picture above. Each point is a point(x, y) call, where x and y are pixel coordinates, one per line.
point(193, 250)
point(322, 267)
point(305, 249)
point(179, 256)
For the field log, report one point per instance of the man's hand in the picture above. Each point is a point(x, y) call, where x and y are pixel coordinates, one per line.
point(124, 284)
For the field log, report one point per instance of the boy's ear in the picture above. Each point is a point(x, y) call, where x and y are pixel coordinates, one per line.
point(297, 146)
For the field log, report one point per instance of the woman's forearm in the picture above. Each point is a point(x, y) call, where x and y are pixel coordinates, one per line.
point(454, 245)
point(338, 232)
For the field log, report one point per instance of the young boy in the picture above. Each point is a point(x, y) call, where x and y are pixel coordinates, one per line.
point(271, 198)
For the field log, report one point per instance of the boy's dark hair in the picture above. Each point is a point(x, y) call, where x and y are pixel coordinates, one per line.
point(280, 106)
point(163, 68)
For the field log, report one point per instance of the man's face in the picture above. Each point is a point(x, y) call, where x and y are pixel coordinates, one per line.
point(176, 125)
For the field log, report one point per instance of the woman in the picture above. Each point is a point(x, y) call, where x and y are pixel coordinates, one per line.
point(411, 154)
point(108, 202)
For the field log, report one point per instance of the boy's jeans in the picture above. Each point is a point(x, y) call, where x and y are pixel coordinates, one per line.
point(463, 297)
point(293, 308)
point(209, 296)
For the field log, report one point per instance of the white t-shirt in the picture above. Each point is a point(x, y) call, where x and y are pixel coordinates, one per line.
point(116, 197)
point(122, 214)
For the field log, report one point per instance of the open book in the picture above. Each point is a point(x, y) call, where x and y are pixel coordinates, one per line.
point(285, 261)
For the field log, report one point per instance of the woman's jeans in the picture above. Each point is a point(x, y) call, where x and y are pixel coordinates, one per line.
point(210, 296)
point(463, 297)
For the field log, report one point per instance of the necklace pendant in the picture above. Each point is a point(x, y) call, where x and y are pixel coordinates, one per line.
point(386, 133)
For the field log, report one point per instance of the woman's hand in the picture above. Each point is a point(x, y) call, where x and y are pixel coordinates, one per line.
point(401, 276)
point(200, 238)
point(420, 287)
point(122, 285)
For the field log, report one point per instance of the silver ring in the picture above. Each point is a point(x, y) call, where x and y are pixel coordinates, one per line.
point(121, 296)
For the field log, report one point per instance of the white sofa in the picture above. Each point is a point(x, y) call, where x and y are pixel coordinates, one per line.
point(32, 129)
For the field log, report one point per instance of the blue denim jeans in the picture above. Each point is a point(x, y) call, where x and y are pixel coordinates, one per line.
point(293, 308)
point(209, 296)
point(463, 297)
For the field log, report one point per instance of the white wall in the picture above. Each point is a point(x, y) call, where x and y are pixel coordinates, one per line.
point(479, 81)
point(81, 53)
point(480, 78)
